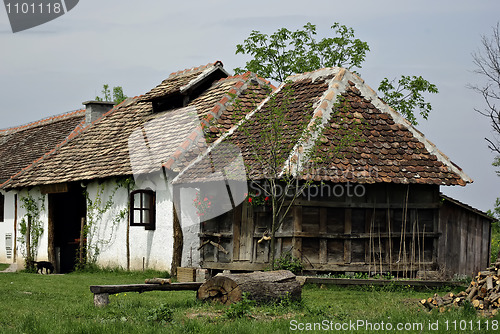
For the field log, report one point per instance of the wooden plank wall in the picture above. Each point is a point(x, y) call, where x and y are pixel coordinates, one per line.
point(465, 240)
point(357, 234)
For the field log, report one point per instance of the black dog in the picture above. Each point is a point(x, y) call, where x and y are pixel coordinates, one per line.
point(40, 265)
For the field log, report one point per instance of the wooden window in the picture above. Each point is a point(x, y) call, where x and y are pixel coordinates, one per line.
point(142, 208)
point(2, 207)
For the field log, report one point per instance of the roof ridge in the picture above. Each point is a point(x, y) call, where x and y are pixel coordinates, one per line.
point(246, 75)
point(219, 140)
point(215, 113)
point(194, 69)
point(43, 121)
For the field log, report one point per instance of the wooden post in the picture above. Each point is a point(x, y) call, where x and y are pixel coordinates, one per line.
point(297, 227)
point(101, 299)
point(50, 233)
point(28, 243)
point(82, 234)
point(347, 230)
point(237, 212)
point(15, 227)
point(323, 243)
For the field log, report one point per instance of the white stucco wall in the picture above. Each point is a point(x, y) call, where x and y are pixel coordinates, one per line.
point(7, 226)
point(149, 249)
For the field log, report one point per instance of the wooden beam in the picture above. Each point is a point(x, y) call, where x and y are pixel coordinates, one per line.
point(56, 188)
point(323, 242)
point(297, 228)
point(347, 230)
point(193, 286)
point(353, 281)
point(325, 204)
point(239, 266)
point(237, 212)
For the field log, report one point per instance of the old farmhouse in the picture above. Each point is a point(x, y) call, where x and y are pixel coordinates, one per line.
point(170, 178)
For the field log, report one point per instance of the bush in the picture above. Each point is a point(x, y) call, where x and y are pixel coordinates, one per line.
point(288, 262)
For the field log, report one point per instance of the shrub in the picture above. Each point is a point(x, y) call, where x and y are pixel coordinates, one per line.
point(288, 262)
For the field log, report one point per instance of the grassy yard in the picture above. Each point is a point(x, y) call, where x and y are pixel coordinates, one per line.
point(64, 304)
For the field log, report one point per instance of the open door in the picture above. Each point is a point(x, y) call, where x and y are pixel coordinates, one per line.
point(67, 208)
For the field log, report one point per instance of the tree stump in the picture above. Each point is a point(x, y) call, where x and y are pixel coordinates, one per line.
point(268, 286)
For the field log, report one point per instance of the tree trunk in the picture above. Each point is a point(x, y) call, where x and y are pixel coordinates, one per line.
point(268, 286)
point(178, 244)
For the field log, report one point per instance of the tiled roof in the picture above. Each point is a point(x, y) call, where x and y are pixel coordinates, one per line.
point(21, 145)
point(179, 82)
point(387, 148)
point(132, 139)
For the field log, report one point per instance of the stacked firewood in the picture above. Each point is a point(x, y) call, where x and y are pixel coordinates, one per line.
point(483, 293)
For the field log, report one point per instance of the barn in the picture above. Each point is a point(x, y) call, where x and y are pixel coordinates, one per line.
point(368, 203)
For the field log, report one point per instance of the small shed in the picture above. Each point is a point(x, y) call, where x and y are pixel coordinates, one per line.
point(465, 242)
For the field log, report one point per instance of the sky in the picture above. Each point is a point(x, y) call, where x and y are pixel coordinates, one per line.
point(51, 69)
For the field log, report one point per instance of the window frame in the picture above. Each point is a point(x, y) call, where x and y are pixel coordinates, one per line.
point(150, 196)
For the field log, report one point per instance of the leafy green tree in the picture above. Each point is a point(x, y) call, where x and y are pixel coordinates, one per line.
point(407, 96)
point(286, 52)
point(117, 96)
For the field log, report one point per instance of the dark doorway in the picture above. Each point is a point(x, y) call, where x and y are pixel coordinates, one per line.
point(66, 210)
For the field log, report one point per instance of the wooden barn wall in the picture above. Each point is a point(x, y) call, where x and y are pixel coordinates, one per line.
point(389, 228)
point(464, 246)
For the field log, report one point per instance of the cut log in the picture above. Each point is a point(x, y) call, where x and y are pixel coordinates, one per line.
point(489, 283)
point(157, 281)
point(472, 293)
point(268, 286)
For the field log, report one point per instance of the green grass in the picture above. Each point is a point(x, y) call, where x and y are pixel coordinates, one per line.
point(4, 266)
point(64, 304)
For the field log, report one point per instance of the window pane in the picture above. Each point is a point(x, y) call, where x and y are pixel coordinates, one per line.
point(146, 204)
point(137, 201)
point(137, 217)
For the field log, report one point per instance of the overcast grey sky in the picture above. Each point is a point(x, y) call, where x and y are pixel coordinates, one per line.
point(53, 68)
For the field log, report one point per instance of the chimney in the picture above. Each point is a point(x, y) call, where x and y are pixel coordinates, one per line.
point(95, 109)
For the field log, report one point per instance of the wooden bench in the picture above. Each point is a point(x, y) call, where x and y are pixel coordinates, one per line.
point(101, 292)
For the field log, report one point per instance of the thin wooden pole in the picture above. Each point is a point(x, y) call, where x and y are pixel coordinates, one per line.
point(15, 228)
point(28, 244)
point(82, 234)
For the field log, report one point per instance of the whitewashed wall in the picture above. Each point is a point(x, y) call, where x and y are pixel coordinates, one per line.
point(149, 249)
point(7, 227)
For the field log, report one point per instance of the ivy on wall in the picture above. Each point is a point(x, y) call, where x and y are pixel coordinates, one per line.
point(31, 227)
point(97, 207)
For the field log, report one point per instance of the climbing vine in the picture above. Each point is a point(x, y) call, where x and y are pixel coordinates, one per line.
point(96, 208)
point(31, 223)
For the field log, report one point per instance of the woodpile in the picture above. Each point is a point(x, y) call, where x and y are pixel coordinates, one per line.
point(267, 286)
point(483, 293)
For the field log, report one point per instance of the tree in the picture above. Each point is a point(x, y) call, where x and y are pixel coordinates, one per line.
point(288, 52)
point(118, 95)
point(487, 62)
point(407, 96)
point(272, 132)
